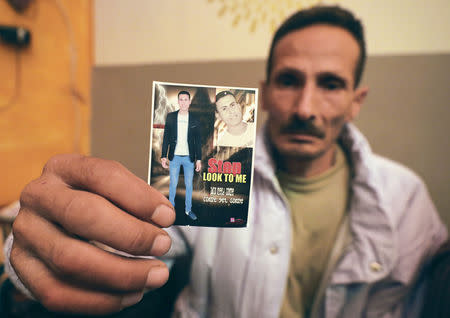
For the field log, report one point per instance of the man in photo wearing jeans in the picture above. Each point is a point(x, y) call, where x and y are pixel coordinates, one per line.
point(182, 147)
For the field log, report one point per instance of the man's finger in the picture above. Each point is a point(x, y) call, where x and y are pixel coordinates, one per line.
point(60, 296)
point(92, 217)
point(79, 261)
point(113, 181)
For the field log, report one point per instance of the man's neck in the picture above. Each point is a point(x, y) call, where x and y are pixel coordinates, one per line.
point(183, 112)
point(307, 168)
point(237, 129)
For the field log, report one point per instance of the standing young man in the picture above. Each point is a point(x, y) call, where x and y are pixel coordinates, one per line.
point(182, 147)
point(334, 230)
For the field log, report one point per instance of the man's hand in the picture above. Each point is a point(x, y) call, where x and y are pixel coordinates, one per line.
point(198, 165)
point(78, 199)
point(164, 163)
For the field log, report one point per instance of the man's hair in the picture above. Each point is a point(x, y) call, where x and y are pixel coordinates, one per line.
point(330, 15)
point(184, 93)
point(223, 94)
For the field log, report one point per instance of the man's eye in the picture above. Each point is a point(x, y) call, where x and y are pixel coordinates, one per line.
point(286, 80)
point(332, 84)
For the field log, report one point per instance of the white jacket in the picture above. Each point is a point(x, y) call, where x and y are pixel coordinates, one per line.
point(392, 227)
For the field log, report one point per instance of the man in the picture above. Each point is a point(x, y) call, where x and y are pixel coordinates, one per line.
point(182, 147)
point(334, 231)
point(238, 133)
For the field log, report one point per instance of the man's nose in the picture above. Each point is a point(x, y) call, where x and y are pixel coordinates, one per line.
point(305, 102)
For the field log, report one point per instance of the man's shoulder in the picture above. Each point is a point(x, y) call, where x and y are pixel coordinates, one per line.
point(171, 117)
point(396, 185)
point(395, 173)
point(405, 197)
point(387, 165)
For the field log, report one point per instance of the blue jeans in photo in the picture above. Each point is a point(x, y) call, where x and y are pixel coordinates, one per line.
point(188, 168)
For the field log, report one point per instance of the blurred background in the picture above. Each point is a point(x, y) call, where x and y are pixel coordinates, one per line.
point(77, 76)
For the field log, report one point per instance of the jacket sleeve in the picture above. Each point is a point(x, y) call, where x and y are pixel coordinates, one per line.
point(166, 137)
point(198, 140)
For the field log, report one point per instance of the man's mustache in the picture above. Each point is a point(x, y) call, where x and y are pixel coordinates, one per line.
point(304, 127)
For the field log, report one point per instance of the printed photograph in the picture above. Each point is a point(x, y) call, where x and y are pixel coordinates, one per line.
point(201, 151)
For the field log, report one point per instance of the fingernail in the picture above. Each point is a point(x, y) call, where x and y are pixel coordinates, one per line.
point(157, 276)
point(163, 215)
point(131, 299)
point(161, 245)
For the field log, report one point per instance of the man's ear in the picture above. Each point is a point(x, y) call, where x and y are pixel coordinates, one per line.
point(358, 99)
point(263, 93)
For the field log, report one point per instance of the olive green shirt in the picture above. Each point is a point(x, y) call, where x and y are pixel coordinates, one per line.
point(318, 205)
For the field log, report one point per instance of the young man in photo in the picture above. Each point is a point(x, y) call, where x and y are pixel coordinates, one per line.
point(182, 148)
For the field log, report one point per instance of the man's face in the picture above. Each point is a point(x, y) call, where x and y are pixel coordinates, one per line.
point(184, 102)
point(229, 110)
point(310, 95)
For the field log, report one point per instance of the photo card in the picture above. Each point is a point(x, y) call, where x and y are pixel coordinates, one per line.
point(202, 140)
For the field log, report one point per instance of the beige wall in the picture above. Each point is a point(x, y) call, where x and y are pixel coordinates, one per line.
point(148, 32)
